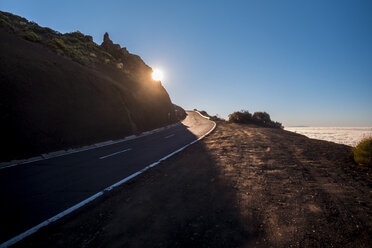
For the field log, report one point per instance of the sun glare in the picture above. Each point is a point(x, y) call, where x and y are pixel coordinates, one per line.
point(157, 75)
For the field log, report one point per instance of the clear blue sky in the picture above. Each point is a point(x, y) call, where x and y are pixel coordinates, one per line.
point(304, 62)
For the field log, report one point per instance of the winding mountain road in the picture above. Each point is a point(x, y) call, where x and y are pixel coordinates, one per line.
point(35, 192)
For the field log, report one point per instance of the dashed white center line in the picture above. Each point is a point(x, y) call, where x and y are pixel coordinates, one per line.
point(166, 137)
point(115, 153)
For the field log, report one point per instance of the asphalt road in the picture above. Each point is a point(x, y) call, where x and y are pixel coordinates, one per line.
point(34, 192)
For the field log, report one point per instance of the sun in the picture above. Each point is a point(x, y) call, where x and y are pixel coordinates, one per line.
point(157, 75)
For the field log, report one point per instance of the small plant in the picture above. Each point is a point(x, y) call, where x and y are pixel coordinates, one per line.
point(31, 36)
point(363, 152)
point(6, 22)
point(258, 118)
point(57, 44)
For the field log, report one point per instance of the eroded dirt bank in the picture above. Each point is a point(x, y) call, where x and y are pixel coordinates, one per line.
point(239, 187)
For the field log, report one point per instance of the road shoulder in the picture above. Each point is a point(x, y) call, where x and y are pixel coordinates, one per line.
point(240, 186)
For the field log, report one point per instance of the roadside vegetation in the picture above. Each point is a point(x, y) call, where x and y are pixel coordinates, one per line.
point(363, 152)
point(258, 118)
point(262, 119)
point(75, 45)
point(238, 187)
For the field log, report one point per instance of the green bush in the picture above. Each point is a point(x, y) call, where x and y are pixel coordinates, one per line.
point(43, 30)
point(76, 52)
point(241, 117)
point(6, 24)
point(57, 44)
point(203, 112)
point(261, 117)
point(258, 118)
point(31, 36)
point(75, 45)
point(363, 152)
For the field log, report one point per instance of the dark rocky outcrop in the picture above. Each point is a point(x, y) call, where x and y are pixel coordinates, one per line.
point(114, 49)
point(180, 112)
point(131, 63)
point(60, 91)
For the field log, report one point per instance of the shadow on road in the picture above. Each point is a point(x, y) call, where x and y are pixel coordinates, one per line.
point(183, 202)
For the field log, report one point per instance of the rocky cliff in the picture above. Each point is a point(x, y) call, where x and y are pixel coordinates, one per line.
point(60, 91)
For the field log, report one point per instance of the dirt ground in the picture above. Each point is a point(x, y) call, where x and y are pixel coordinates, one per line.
point(239, 187)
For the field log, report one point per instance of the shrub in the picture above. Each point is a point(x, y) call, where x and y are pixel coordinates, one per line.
point(258, 118)
point(43, 30)
point(363, 152)
point(203, 112)
point(216, 118)
point(75, 45)
point(261, 117)
point(72, 39)
point(31, 36)
point(76, 52)
point(277, 124)
point(78, 36)
point(57, 44)
point(6, 24)
point(241, 117)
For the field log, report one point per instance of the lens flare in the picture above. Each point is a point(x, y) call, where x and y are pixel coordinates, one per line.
point(157, 75)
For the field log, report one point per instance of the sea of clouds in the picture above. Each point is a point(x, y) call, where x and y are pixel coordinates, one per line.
point(342, 135)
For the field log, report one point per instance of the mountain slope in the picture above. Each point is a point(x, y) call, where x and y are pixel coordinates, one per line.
point(71, 94)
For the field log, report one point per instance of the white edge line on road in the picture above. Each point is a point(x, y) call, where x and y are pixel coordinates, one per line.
point(206, 117)
point(115, 153)
point(82, 149)
point(95, 196)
